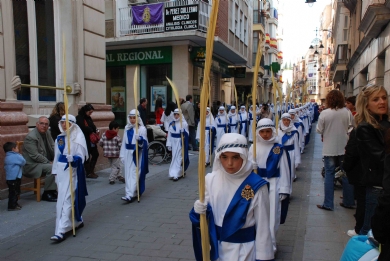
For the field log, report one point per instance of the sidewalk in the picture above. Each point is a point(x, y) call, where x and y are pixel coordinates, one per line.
point(158, 228)
point(310, 233)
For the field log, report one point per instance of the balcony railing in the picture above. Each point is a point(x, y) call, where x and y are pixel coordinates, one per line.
point(128, 28)
point(341, 56)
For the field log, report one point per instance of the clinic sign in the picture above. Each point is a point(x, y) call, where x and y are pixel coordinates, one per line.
point(155, 55)
point(181, 18)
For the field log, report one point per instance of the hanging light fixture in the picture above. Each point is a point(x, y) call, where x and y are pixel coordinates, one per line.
point(316, 52)
point(311, 47)
point(310, 2)
point(321, 46)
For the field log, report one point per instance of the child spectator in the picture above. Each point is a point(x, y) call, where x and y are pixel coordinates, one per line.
point(111, 143)
point(13, 164)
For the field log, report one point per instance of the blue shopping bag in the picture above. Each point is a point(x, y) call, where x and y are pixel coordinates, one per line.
point(359, 249)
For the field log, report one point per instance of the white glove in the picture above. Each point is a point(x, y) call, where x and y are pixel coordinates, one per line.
point(282, 196)
point(182, 130)
point(200, 207)
point(136, 136)
point(169, 148)
point(69, 158)
point(123, 160)
point(254, 165)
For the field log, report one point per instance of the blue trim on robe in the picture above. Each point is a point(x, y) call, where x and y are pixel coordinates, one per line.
point(236, 213)
point(186, 139)
point(213, 137)
point(144, 163)
point(284, 209)
point(241, 126)
point(234, 220)
point(272, 170)
point(297, 124)
point(230, 124)
point(81, 189)
point(286, 137)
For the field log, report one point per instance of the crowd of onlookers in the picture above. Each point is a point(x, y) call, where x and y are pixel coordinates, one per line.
point(356, 140)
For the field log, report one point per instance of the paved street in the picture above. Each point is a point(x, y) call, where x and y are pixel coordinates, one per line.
point(159, 229)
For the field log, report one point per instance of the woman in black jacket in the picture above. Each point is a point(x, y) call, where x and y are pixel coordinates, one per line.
point(55, 117)
point(380, 221)
point(372, 122)
point(85, 122)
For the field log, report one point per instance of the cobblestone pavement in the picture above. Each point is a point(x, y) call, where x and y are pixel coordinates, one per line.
point(158, 228)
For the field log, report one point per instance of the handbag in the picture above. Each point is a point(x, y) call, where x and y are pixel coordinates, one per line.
point(93, 137)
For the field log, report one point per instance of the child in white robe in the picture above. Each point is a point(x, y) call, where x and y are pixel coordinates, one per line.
point(220, 123)
point(237, 205)
point(176, 131)
point(209, 138)
point(78, 153)
point(243, 121)
point(128, 156)
point(272, 165)
point(233, 120)
point(289, 138)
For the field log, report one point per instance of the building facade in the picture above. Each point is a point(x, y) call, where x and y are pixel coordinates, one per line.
point(142, 53)
point(33, 37)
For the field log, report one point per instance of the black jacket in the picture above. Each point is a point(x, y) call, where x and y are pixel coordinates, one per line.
point(87, 127)
point(371, 148)
point(352, 163)
point(380, 221)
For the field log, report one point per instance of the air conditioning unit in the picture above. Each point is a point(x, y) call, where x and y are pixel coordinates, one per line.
point(137, 2)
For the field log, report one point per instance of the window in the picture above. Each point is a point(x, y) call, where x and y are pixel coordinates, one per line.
point(345, 21)
point(22, 51)
point(45, 48)
point(345, 35)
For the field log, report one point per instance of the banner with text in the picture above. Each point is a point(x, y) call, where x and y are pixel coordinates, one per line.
point(154, 55)
point(181, 18)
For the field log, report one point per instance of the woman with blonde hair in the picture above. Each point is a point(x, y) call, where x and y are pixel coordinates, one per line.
point(372, 123)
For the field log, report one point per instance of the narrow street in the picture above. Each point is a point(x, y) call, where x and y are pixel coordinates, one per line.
point(158, 228)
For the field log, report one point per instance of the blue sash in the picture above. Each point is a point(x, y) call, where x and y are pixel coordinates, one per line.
point(81, 188)
point(234, 220)
point(297, 124)
point(130, 145)
point(272, 170)
point(236, 213)
point(175, 135)
point(286, 137)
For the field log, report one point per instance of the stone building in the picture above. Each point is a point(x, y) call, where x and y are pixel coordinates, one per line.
point(31, 38)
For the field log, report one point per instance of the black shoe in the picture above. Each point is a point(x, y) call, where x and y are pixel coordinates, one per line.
point(207, 164)
point(175, 179)
point(112, 182)
point(15, 208)
point(47, 196)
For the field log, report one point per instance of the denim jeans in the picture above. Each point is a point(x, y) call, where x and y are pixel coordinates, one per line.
point(348, 193)
point(330, 164)
point(372, 195)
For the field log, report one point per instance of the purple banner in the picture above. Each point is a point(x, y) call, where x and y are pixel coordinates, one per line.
point(147, 14)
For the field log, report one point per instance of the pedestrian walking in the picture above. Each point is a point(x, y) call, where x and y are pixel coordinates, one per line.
point(333, 125)
point(111, 143)
point(272, 165)
point(62, 160)
point(300, 128)
point(167, 116)
point(237, 204)
point(188, 111)
point(13, 166)
point(178, 130)
point(128, 157)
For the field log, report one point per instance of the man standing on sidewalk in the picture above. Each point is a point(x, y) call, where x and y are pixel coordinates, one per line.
point(188, 111)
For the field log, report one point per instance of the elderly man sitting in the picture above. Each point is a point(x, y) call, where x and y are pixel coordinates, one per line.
point(38, 150)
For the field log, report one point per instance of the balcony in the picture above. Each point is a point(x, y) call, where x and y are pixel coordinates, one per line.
point(375, 16)
point(128, 28)
point(339, 66)
point(258, 22)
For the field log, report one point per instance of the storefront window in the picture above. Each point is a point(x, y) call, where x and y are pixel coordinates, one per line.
point(155, 85)
point(22, 51)
point(116, 93)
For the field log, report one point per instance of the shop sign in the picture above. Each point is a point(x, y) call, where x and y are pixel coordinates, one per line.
point(198, 58)
point(181, 18)
point(155, 55)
